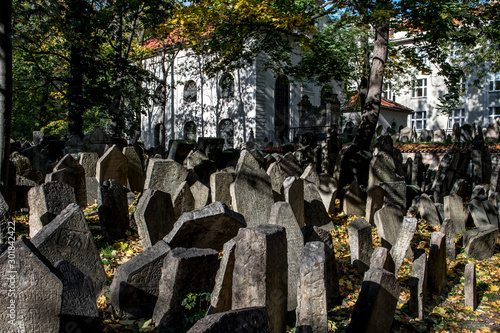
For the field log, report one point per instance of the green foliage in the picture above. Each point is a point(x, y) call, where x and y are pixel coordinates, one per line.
point(56, 128)
point(196, 305)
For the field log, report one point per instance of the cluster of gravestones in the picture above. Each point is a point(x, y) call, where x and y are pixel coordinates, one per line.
point(269, 215)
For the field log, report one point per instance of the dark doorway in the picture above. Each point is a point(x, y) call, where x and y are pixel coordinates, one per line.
point(159, 135)
point(281, 108)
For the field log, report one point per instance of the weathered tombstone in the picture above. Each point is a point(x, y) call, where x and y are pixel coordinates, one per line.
point(68, 238)
point(277, 177)
point(251, 191)
point(36, 304)
point(395, 194)
point(405, 135)
point(466, 133)
point(201, 194)
point(194, 158)
point(46, 202)
point(182, 200)
point(112, 207)
point(381, 258)
point(427, 210)
point(382, 169)
point(477, 210)
point(221, 297)
point(254, 319)
point(89, 163)
point(184, 271)
point(209, 227)
point(418, 284)
point(260, 275)
point(492, 132)
point(374, 310)
point(92, 187)
point(374, 201)
point(436, 279)
point(314, 209)
point(5, 220)
point(164, 175)
point(112, 165)
point(479, 243)
point(290, 166)
point(454, 211)
point(354, 201)
point(79, 308)
point(135, 285)
point(360, 242)
point(388, 220)
point(405, 235)
point(219, 187)
point(470, 291)
point(178, 150)
point(311, 294)
point(293, 191)
point(154, 216)
point(135, 173)
point(439, 135)
point(70, 172)
point(282, 215)
point(328, 191)
point(97, 141)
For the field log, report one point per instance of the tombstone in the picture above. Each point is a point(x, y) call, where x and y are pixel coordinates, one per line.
point(254, 319)
point(381, 258)
point(135, 174)
point(70, 172)
point(182, 200)
point(453, 210)
point(461, 188)
point(328, 191)
point(36, 305)
point(466, 133)
point(354, 201)
point(164, 175)
point(68, 238)
point(89, 163)
point(293, 192)
point(46, 202)
point(470, 291)
point(112, 165)
point(425, 135)
point(436, 279)
point(24, 168)
point(439, 135)
point(405, 134)
point(154, 216)
point(455, 133)
point(405, 235)
point(360, 243)
point(194, 158)
point(251, 191)
point(5, 220)
point(311, 293)
point(417, 171)
point(314, 209)
point(92, 187)
point(112, 207)
point(395, 194)
point(477, 210)
point(388, 220)
point(492, 132)
point(135, 287)
point(219, 187)
point(290, 166)
point(374, 310)
point(78, 308)
point(282, 215)
point(479, 243)
point(418, 284)
point(374, 201)
point(427, 210)
point(221, 297)
point(209, 227)
point(97, 141)
point(201, 194)
point(448, 228)
point(184, 271)
point(277, 178)
point(260, 275)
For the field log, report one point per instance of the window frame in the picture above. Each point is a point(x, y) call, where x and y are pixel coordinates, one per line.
point(419, 88)
point(493, 113)
point(416, 120)
point(494, 82)
point(226, 91)
point(187, 96)
point(455, 118)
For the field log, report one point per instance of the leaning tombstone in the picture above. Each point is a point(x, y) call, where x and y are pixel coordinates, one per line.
point(89, 163)
point(436, 280)
point(388, 220)
point(112, 207)
point(360, 242)
point(374, 201)
point(354, 201)
point(221, 297)
point(480, 243)
point(418, 284)
point(427, 210)
point(112, 165)
point(449, 230)
point(135, 173)
point(68, 238)
point(293, 191)
point(454, 211)
point(254, 319)
point(69, 171)
point(164, 175)
point(395, 193)
point(381, 258)
point(277, 177)
point(328, 191)
point(201, 194)
point(314, 209)
point(182, 200)
point(405, 235)
point(219, 187)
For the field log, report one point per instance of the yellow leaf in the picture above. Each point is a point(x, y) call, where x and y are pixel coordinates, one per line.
point(101, 300)
point(494, 288)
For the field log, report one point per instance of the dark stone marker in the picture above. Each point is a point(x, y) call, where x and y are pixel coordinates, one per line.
point(182, 200)
point(360, 242)
point(374, 310)
point(354, 201)
point(184, 271)
point(479, 243)
point(113, 210)
point(154, 216)
point(209, 227)
point(135, 285)
point(69, 171)
point(254, 320)
point(374, 201)
point(427, 210)
point(437, 263)
point(68, 238)
point(79, 309)
point(381, 258)
point(260, 276)
point(221, 298)
point(470, 286)
point(135, 173)
point(418, 284)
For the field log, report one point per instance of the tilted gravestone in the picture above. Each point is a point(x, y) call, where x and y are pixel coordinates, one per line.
point(154, 216)
point(182, 200)
point(89, 163)
point(311, 294)
point(388, 220)
point(360, 243)
point(374, 201)
point(405, 235)
point(254, 319)
point(184, 271)
point(354, 202)
point(164, 175)
point(314, 209)
point(454, 211)
point(38, 290)
point(381, 170)
point(201, 194)
point(135, 174)
point(79, 308)
point(260, 275)
point(112, 206)
point(97, 141)
point(328, 191)
point(480, 243)
point(221, 297)
point(209, 227)
point(46, 202)
point(374, 310)
point(277, 177)
point(112, 165)
point(436, 279)
point(418, 284)
point(70, 172)
point(251, 191)
point(68, 238)
point(135, 285)
point(194, 158)
point(395, 194)
point(381, 258)
point(427, 210)
point(219, 187)
point(282, 215)
point(293, 190)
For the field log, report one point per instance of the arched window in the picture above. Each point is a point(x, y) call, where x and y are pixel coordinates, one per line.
point(226, 130)
point(226, 86)
point(159, 95)
point(190, 92)
point(159, 135)
point(190, 131)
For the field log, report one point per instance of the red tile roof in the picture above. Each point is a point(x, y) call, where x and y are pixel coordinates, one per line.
point(384, 103)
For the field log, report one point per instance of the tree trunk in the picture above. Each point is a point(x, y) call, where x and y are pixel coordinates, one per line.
point(5, 87)
point(117, 121)
point(371, 108)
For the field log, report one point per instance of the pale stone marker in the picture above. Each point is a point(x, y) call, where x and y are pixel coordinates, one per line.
point(69, 171)
point(454, 210)
point(381, 258)
point(201, 194)
point(405, 235)
point(164, 175)
point(221, 297)
point(470, 286)
point(360, 242)
point(293, 190)
point(219, 187)
point(112, 165)
point(480, 243)
point(374, 201)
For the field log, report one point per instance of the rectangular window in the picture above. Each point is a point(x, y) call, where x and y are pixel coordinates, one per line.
point(387, 92)
point(419, 120)
point(494, 113)
point(456, 117)
point(420, 88)
point(495, 81)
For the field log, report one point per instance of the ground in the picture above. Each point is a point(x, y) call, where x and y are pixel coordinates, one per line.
point(444, 313)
